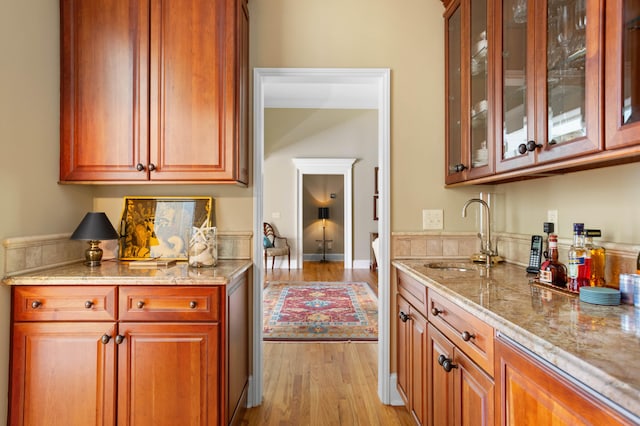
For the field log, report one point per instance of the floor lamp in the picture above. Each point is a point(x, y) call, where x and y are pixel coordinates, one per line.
point(323, 213)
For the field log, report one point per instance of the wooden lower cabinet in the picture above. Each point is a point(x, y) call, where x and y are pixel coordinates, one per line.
point(168, 374)
point(412, 359)
point(531, 393)
point(160, 355)
point(461, 393)
point(62, 373)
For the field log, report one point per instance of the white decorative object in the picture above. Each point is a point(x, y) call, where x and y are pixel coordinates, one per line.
point(203, 249)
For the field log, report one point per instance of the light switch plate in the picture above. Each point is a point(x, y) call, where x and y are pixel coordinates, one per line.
point(432, 219)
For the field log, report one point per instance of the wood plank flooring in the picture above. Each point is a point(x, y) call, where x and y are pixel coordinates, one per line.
point(322, 384)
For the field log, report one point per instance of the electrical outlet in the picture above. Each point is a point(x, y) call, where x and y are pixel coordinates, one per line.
point(432, 219)
point(552, 216)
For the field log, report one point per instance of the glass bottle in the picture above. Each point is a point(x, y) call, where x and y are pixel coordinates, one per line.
point(579, 261)
point(597, 256)
point(552, 271)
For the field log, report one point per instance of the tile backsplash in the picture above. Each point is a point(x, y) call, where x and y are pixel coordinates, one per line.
point(26, 254)
point(514, 248)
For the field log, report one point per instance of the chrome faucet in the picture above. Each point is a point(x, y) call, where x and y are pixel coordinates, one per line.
point(486, 248)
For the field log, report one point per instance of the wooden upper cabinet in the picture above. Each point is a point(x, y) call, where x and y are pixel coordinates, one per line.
point(622, 94)
point(550, 112)
point(469, 90)
point(154, 90)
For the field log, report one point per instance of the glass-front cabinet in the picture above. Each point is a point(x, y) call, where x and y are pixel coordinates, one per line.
point(468, 91)
point(622, 95)
point(549, 112)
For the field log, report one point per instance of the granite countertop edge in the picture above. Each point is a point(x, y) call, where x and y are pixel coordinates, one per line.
point(119, 273)
point(617, 392)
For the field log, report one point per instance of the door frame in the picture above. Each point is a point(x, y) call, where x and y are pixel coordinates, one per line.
point(372, 82)
point(326, 166)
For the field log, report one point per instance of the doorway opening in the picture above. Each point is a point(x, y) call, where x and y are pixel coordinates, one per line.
point(325, 88)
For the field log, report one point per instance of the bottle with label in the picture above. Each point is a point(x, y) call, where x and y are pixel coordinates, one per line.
point(579, 261)
point(597, 256)
point(552, 271)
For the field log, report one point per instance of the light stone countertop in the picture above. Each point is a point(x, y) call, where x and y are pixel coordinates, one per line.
point(599, 346)
point(119, 273)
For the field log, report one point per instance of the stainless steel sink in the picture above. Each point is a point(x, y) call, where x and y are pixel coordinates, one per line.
point(448, 266)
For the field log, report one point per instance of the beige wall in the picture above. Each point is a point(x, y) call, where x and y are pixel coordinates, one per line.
point(314, 133)
point(406, 37)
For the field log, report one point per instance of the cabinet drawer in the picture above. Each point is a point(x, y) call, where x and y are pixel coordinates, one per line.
point(413, 291)
point(64, 303)
point(473, 336)
point(169, 303)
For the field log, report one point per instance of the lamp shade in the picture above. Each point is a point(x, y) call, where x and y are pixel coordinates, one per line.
point(95, 226)
point(323, 212)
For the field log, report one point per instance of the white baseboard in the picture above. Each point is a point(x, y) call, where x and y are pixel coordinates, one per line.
point(394, 395)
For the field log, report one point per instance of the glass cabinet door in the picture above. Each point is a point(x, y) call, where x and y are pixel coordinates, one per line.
point(622, 86)
point(454, 156)
point(479, 85)
point(515, 108)
point(569, 121)
point(552, 112)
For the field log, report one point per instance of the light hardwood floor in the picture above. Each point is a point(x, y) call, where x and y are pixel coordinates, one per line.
point(320, 384)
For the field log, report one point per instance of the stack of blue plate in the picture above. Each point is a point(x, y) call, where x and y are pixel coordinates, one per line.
point(600, 295)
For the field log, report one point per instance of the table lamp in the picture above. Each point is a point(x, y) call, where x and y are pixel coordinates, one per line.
point(94, 227)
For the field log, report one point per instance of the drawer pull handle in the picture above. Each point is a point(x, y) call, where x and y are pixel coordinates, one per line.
point(105, 338)
point(88, 304)
point(466, 336)
point(404, 317)
point(140, 304)
point(435, 311)
point(36, 304)
point(119, 339)
point(446, 363)
point(193, 304)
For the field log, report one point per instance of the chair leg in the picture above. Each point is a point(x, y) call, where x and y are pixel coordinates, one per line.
point(265, 260)
point(289, 261)
point(273, 262)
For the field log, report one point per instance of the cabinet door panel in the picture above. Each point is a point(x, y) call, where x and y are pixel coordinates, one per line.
point(474, 392)
point(168, 373)
point(622, 95)
point(440, 399)
point(187, 75)
point(403, 349)
point(418, 368)
point(104, 89)
point(56, 366)
point(533, 394)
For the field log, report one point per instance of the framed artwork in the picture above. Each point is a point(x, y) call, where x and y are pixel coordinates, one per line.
point(160, 227)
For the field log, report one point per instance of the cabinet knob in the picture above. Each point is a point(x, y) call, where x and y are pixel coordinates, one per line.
point(466, 336)
point(446, 363)
point(435, 311)
point(105, 338)
point(140, 304)
point(152, 167)
point(193, 304)
point(140, 167)
point(36, 304)
point(530, 146)
point(459, 167)
point(403, 317)
point(119, 339)
point(88, 304)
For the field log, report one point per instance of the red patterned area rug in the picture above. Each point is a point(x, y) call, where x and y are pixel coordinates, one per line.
point(320, 311)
